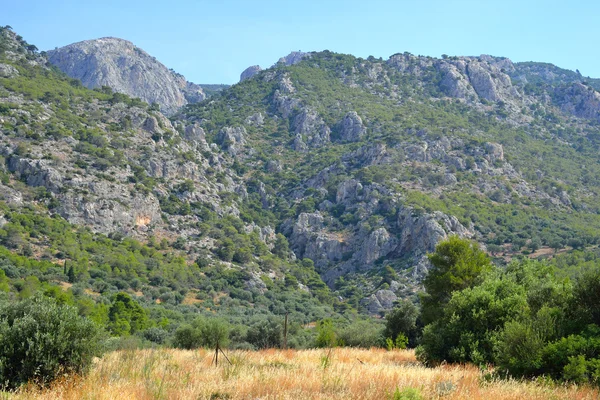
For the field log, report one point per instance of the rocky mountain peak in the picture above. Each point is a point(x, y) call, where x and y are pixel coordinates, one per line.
point(250, 72)
point(124, 67)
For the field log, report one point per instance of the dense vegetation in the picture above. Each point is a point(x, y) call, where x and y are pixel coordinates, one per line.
point(525, 319)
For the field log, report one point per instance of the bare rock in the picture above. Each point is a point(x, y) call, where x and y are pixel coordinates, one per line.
point(232, 140)
point(579, 100)
point(495, 151)
point(381, 301)
point(8, 71)
point(293, 58)
point(309, 124)
point(351, 128)
point(125, 68)
point(250, 72)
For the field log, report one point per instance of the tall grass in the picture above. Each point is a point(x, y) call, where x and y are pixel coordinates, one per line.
point(290, 374)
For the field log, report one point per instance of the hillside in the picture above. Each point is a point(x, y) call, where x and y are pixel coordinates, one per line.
point(369, 163)
point(101, 193)
point(314, 187)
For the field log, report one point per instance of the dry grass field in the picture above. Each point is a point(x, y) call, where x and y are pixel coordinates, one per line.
point(289, 374)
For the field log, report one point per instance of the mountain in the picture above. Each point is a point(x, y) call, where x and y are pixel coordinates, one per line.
point(125, 68)
point(315, 187)
point(368, 163)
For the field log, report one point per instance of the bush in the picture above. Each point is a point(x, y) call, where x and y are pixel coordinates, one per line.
point(42, 340)
point(407, 394)
point(363, 334)
point(402, 320)
point(202, 334)
point(187, 337)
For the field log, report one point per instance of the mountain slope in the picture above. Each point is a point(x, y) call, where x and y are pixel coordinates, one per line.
point(324, 168)
point(368, 163)
point(127, 69)
point(100, 194)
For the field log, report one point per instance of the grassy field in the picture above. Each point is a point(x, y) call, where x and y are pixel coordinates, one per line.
point(289, 374)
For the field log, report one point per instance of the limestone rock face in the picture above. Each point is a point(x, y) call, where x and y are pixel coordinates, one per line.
point(250, 72)
point(194, 133)
point(380, 301)
point(348, 191)
point(422, 232)
point(453, 83)
point(351, 128)
point(579, 100)
point(8, 71)
point(125, 68)
point(308, 240)
point(495, 151)
point(293, 58)
point(36, 173)
point(10, 196)
point(308, 123)
point(232, 139)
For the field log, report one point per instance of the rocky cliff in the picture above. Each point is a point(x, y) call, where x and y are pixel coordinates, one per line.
point(125, 68)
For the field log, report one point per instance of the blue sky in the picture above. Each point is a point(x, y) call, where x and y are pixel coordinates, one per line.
point(214, 41)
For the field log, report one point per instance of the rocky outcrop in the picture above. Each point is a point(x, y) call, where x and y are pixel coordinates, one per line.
point(494, 151)
point(351, 128)
point(194, 133)
point(122, 213)
point(36, 173)
point(380, 301)
point(293, 58)
point(421, 232)
point(579, 100)
point(416, 234)
point(308, 240)
point(250, 72)
point(125, 68)
point(311, 126)
point(473, 79)
point(232, 140)
point(8, 71)
point(10, 196)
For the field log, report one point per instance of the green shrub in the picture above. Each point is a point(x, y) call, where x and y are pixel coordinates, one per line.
point(326, 336)
point(187, 337)
point(407, 394)
point(364, 333)
point(42, 340)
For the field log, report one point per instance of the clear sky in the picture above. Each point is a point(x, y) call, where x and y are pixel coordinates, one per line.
point(213, 41)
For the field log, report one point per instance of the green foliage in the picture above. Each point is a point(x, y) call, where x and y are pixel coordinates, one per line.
point(42, 340)
point(361, 333)
point(407, 394)
point(402, 322)
point(456, 264)
point(126, 316)
point(265, 333)
point(326, 336)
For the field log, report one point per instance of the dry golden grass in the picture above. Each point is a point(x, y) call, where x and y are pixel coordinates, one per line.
point(288, 374)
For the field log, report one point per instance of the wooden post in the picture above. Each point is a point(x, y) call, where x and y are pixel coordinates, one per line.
point(217, 355)
point(285, 330)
